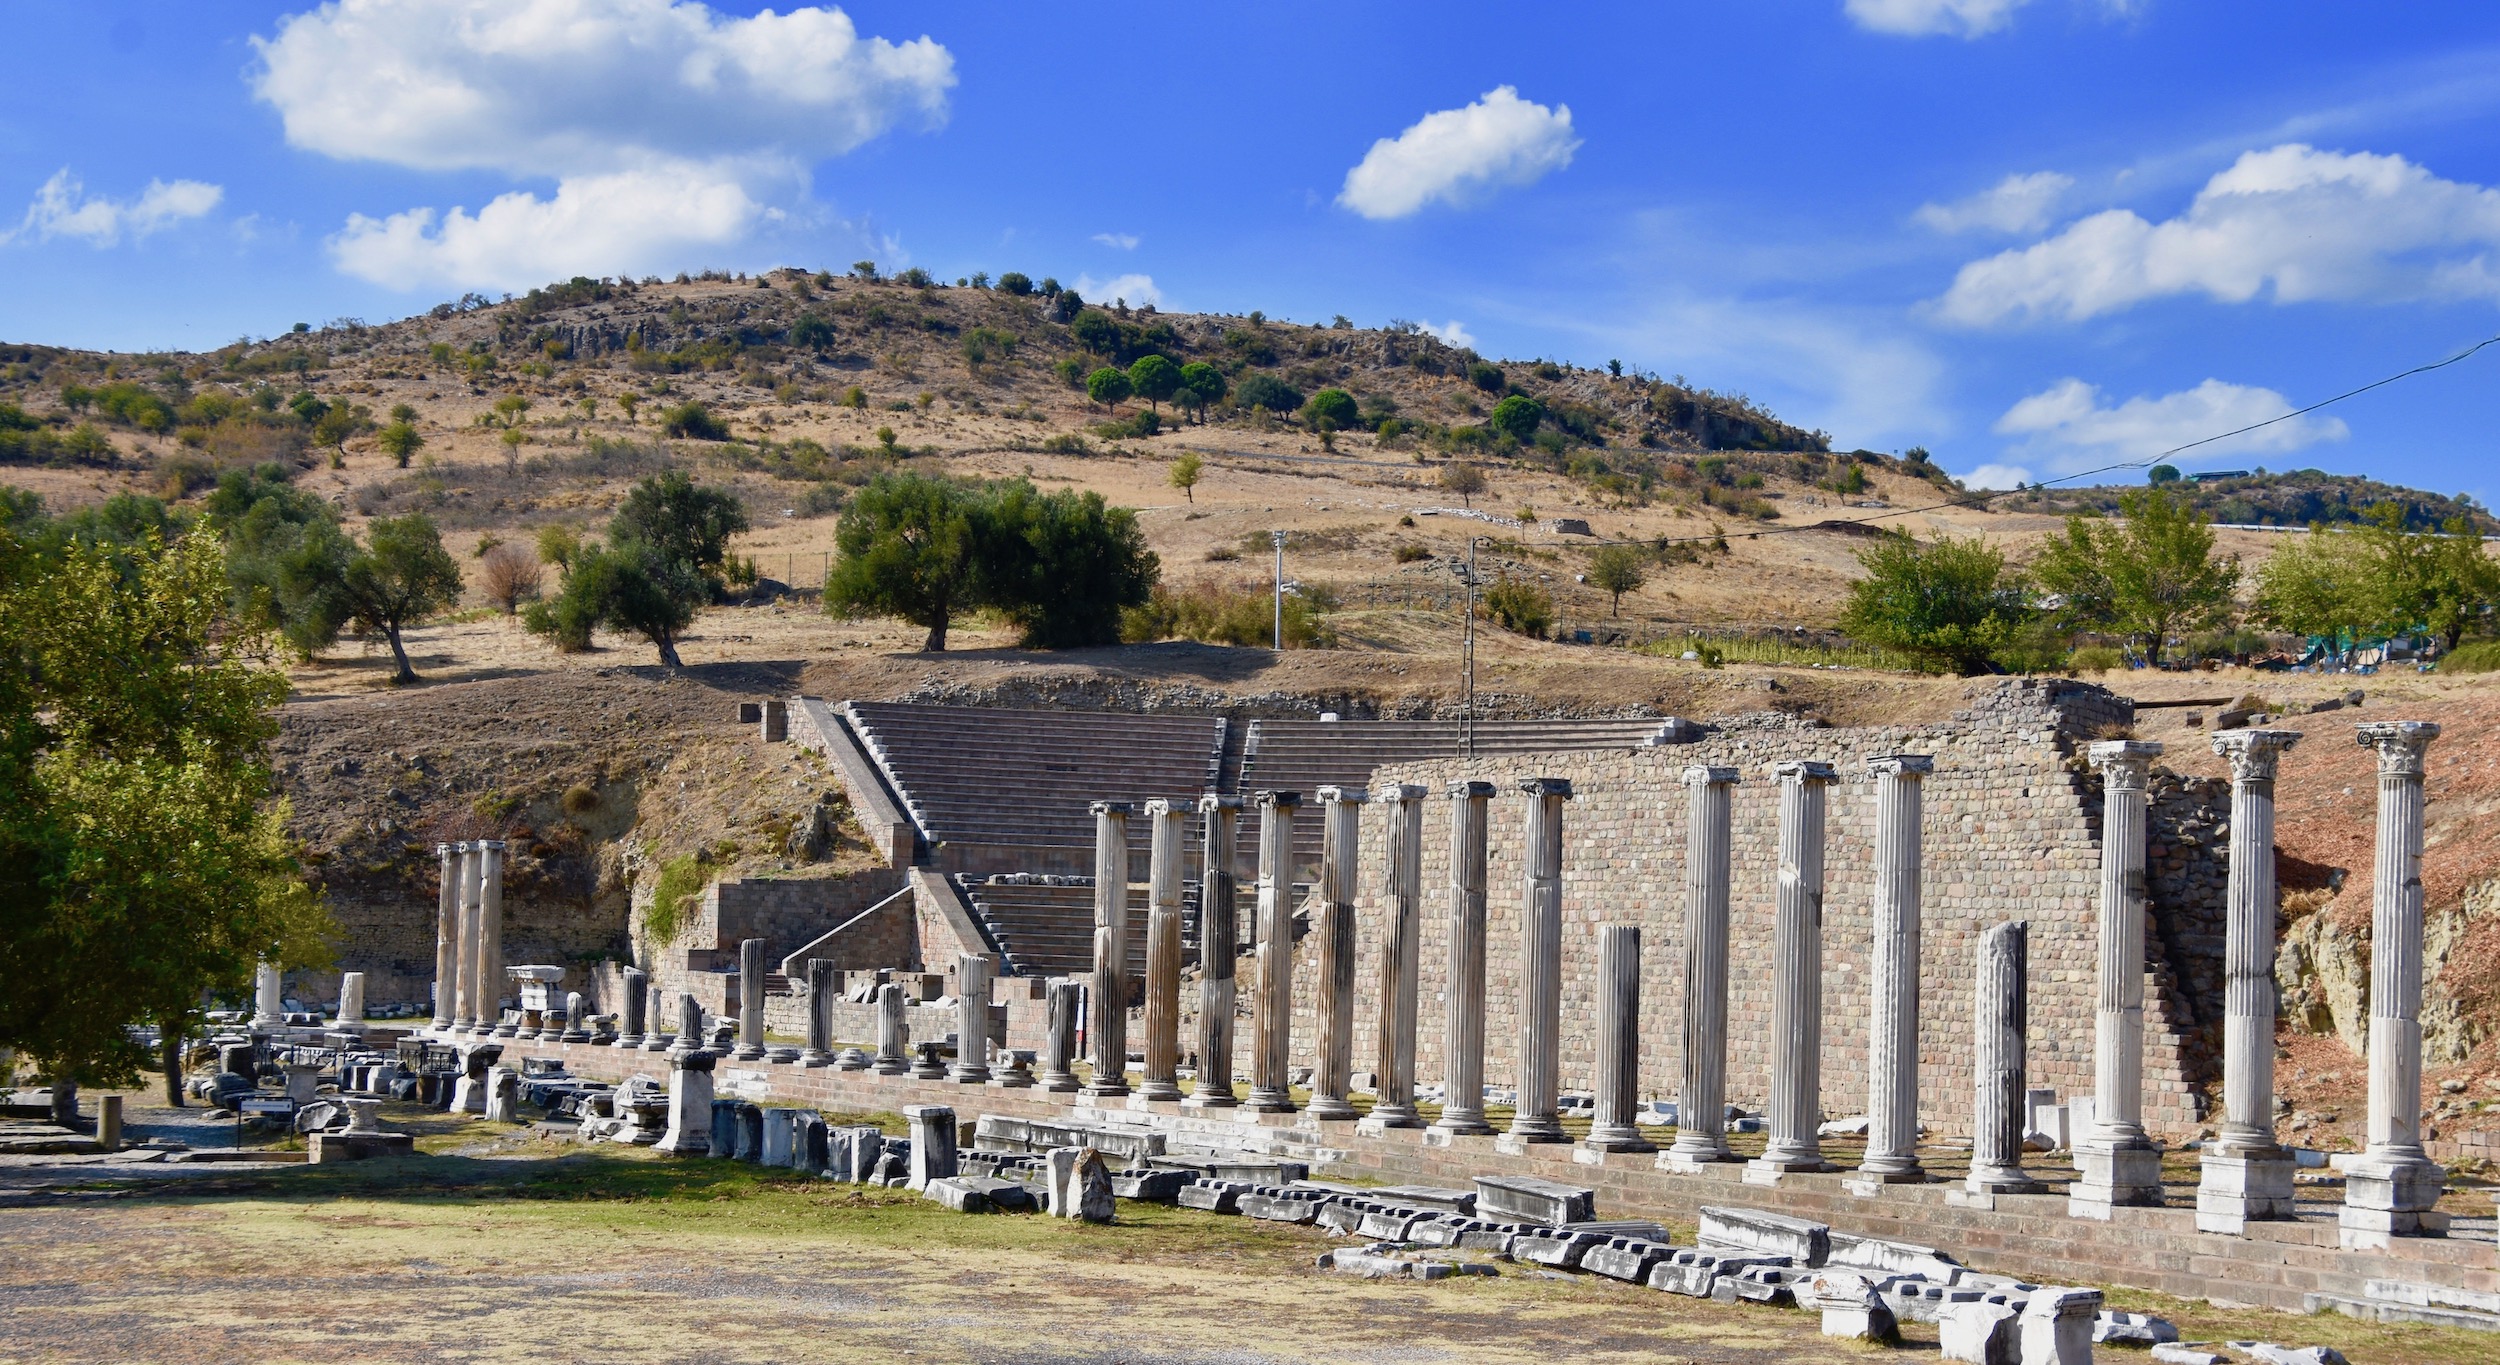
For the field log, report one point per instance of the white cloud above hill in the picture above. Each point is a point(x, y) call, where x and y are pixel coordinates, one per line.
point(2071, 425)
point(1457, 156)
point(63, 208)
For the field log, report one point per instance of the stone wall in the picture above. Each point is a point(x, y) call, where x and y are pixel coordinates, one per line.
point(2012, 819)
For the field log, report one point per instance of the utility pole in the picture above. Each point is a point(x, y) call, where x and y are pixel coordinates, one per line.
point(1279, 537)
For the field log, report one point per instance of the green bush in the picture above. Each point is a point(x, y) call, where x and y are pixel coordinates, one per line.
point(1487, 377)
point(1410, 553)
point(1515, 604)
point(2096, 659)
point(1227, 616)
point(2474, 656)
point(682, 882)
point(693, 422)
point(1267, 391)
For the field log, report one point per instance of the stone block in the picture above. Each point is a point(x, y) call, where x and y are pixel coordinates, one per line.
point(1695, 1273)
point(1802, 1241)
point(1629, 1259)
point(1160, 1187)
point(2132, 1329)
point(1849, 1304)
point(780, 1131)
point(1438, 1198)
point(932, 1143)
point(2057, 1326)
point(997, 1133)
point(1892, 1258)
point(2188, 1355)
point(1126, 1146)
point(1554, 1247)
point(2270, 1354)
point(1275, 1205)
point(1981, 1333)
point(1775, 1285)
point(851, 1153)
point(1388, 1223)
point(1527, 1199)
point(957, 1193)
point(1214, 1196)
point(321, 1147)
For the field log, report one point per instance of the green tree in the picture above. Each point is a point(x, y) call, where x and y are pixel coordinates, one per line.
point(511, 408)
point(1516, 416)
point(1267, 391)
point(142, 860)
point(694, 422)
point(558, 544)
point(1184, 474)
point(2318, 584)
point(632, 587)
point(2441, 581)
point(1950, 602)
point(908, 549)
point(2147, 576)
point(1463, 479)
point(400, 441)
point(1108, 387)
point(1062, 565)
point(399, 576)
point(686, 522)
point(1015, 282)
point(1154, 379)
point(1617, 569)
point(1201, 384)
point(343, 422)
point(284, 552)
point(1331, 410)
point(2162, 473)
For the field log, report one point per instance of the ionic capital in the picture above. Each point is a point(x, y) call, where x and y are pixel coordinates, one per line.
point(1805, 770)
point(1704, 775)
point(1215, 801)
point(2124, 763)
point(2401, 744)
point(1402, 791)
point(2254, 754)
point(1160, 807)
point(1343, 796)
point(1471, 790)
point(1901, 765)
point(1279, 800)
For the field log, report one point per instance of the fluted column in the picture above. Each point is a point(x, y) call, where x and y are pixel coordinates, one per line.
point(655, 1035)
point(1797, 984)
point(1892, 1032)
point(893, 1032)
point(268, 995)
point(972, 1027)
point(1341, 834)
point(1059, 1044)
point(2395, 1182)
point(2245, 1174)
point(1538, 1117)
point(1106, 1024)
point(1271, 1021)
point(490, 964)
point(1462, 1099)
point(1618, 1042)
point(1168, 826)
point(464, 965)
point(1401, 948)
point(1701, 1103)
point(2000, 1035)
point(2118, 1164)
point(446, 938)
point(689, 1025)
point(634, 1007)
point(1219, 942)
point(821, 974)
point(750, 1001)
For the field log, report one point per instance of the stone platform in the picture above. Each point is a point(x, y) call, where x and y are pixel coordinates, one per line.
point(2295, 1266)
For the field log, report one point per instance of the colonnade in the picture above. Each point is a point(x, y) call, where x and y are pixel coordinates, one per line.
point(468, 939)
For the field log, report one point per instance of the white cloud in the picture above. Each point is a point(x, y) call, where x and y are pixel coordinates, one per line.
point(1993, 476)
point(62, 208)
point(2070, 424)
point(1135, 288)
point(1860, 377)
point(1117, 241)
point(635, 218)
point(2310, 225)
point(1452, 333)
point(2018, 203)
point(616, 101)
point(1917, 18)
point(1457, 155)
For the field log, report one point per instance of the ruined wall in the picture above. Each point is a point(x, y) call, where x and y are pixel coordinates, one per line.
point(2012, 831)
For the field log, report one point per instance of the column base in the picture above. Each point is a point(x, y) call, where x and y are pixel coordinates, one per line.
point(1012, 1080)
point(1454, 1126)
point(1778, 1161)
point(1330, 1107)
point(658, 1042)
point(816, 1056)
point(1692, 1158)
point(1104, 1091)
point(1384, 1117)
point(2234, 1191)
point(1867, 1184)
point(1516, 1143)
point(747, 1052)
point(1210, 1097)
point(971, 1075)
point(1160, 1090)
point(1624, 1139)
point(627, 1041)
point(891, 1066)
point(2392, 1196)
point(2114, 1178)
point(1060, 1083)
point(468, 1096)
point(1267, 1100)
point(1996, 1180)
point(1900, 1170)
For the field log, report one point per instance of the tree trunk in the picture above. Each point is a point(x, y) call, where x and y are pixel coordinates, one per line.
point(64, 1101)
point(668, 651)
point(173, 1066)
point(936, 643)
point(399, 652)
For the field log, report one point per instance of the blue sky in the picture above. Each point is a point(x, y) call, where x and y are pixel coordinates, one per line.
point(2036, 236)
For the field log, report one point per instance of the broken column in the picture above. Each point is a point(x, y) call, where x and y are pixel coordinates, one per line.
point(1462, 1099)
point(1167, 828)
point(1538, 1117)
point(1892, 1037)
point(2246, 1174)
point(490, 963)
point(750, 1001)
point(689, 1101)
point(634, 1008)
point(1107, 1022)
point(268, 996)
point(1341, 834)
point(1271, 1020)
point(972, 1028)
point(933, 1156)
point(821, 976)
point(1999, 1035)
point(2391, 1187)
point(2117, 1162)
point(1059, 1044)
point(655, 1034)
point(1219, 940)
point(893, 1034)
point(1401, 950)
point(1797, 983)
point(1701, 1104)
point(689, 1025)
point(1618, 1041)
point(351, 1015)
point(446, 938)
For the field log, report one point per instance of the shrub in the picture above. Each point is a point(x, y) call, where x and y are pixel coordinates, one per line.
point(1331, 410)
point(1015, 282)
point(1487, 377)
point(2474, 656)
point(1267, 391)
point(1410, 553)
point(1517, 416)
point(579, 799)
point(682, 880)
point(2096, 659)
point(1516, 604)
point(1218, 615)
point(694, 422)
point(508, 576)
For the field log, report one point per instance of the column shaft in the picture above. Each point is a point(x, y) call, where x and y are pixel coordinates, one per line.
point(1341, 831)
point(1538, 1117)
point(635, 1006)
point(1462, 1100)
point(821, 974)
point(2244, 1173)
point(1271, 1020)
point(1107, 1024)
point(1701, 1101)
point(1219, 943)
point(1618, 1042)
point(1892, 1033)
point(1796, 1142)
point(750, 1001)
point(1059, 1045)
point(1169, 827)
point(490, 939)
point(467, 857)
point(1401, 948)
point(2000, 1035)
point(893, 1032)
point(446, 938)
point(2387, 1191)
point(2117, 1162)
point(972, 1029)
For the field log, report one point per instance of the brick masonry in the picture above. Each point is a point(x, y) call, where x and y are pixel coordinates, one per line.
point(2276, 1266)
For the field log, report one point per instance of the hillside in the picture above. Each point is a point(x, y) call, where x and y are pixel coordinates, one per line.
point(2292, 497)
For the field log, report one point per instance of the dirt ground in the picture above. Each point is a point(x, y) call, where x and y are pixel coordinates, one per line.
point(500, 1247)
